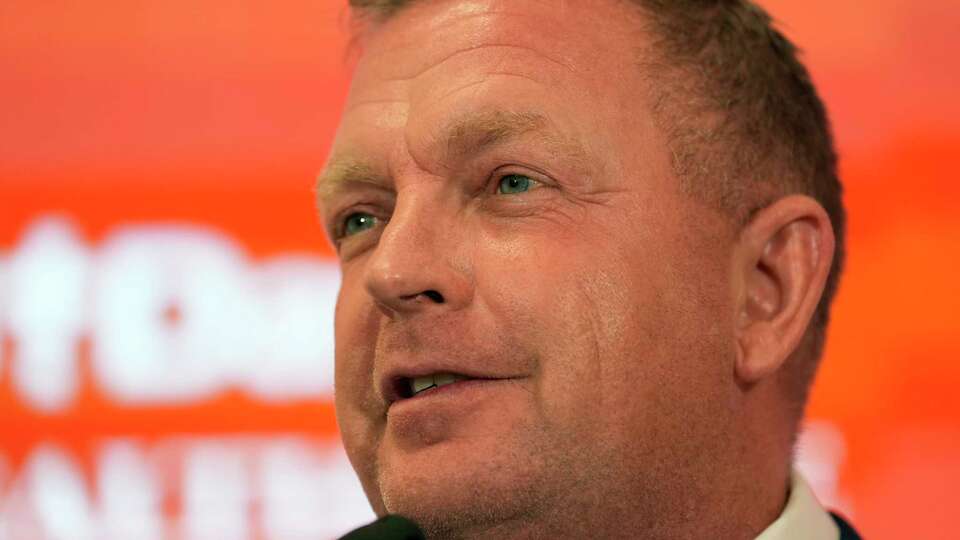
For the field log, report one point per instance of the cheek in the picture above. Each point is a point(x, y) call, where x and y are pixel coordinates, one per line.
point(674, 347)
point(355, 339)
point(544, 291)
point(619, 326)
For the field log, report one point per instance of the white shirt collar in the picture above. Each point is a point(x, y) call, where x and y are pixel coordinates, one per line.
point(803, 518)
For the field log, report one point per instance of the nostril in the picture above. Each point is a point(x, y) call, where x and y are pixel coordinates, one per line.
point(431, 294)
point(434, 295)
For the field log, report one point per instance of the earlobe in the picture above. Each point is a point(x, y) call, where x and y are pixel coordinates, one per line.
point(784, 257)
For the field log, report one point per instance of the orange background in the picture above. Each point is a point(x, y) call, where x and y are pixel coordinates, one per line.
point(220, 113)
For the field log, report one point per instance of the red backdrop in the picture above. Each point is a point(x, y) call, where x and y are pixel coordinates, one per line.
point(151, 149)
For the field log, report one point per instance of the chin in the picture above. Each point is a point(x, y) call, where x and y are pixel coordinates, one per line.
point(459, 494)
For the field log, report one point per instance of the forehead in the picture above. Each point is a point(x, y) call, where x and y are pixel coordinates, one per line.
point(569, 70)
point(573, 35)
point(434, 48)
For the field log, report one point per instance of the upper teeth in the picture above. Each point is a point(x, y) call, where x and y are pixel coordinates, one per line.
point(420, 384)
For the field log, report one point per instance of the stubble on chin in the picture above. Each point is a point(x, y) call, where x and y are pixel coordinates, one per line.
point(496, 496)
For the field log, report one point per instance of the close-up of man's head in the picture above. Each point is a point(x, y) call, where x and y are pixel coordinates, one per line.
point(588, 252)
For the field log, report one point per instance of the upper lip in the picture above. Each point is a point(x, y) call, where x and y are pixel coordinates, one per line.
point(391, 383)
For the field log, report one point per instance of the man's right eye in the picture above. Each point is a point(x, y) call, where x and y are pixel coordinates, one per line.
point(357, 223)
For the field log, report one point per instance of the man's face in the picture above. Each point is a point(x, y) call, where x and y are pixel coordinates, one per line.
point(506, 213)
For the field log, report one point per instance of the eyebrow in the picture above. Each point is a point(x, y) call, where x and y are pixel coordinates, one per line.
point(345, 171)
point(479, 132)
point(465, 136)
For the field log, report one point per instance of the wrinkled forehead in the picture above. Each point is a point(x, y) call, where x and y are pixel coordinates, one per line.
point(584, 39)
point(438, 59)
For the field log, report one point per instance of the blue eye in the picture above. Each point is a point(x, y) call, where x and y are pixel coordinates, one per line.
point(358, 222)
point(514, 183)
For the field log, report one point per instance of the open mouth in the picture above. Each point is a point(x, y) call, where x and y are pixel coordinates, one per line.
point(407, 387)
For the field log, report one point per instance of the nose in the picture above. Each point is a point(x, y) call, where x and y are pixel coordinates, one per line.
point(420, 263)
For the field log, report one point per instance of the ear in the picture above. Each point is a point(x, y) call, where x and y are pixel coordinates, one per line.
point(782, 261)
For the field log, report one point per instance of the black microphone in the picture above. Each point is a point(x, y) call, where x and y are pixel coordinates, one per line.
point(387, 528)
